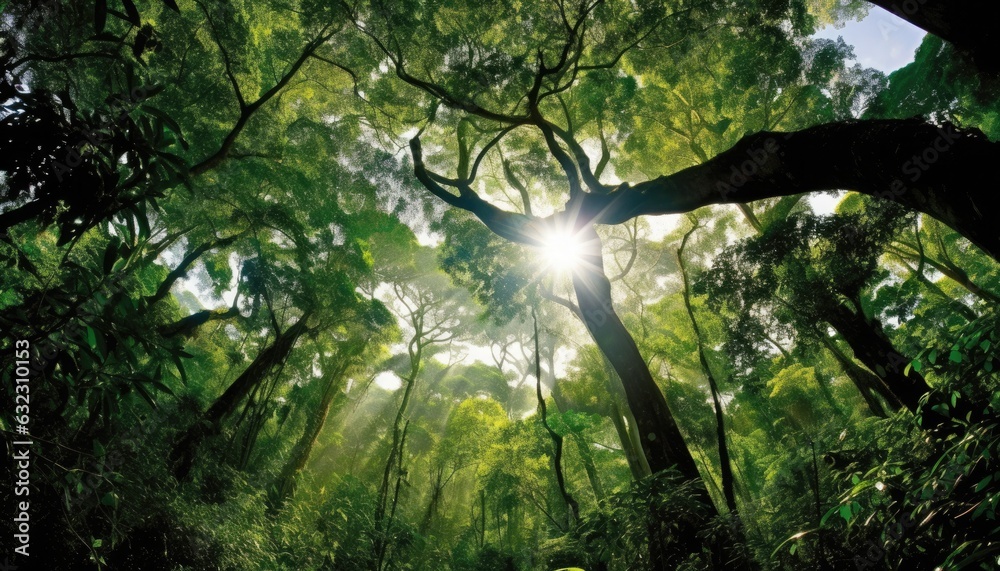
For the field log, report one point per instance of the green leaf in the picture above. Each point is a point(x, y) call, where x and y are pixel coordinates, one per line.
point(161, 387)
point(145, 395)
point(932, 357)
point(827, 515)
point(845, 512)
point(180, 368)
point(983, 483)
point(167, 120)
point(955, 356)
point(131, 12)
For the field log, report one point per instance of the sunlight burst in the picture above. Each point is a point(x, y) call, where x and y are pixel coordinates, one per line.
point(562, 250)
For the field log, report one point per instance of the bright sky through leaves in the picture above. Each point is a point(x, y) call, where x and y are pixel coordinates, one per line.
point(881, 39)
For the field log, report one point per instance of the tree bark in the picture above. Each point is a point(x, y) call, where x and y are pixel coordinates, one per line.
point(382, 522)
point(866, 382)
point(956, 305)
point(662, 442)
point(872, 347)
point(617, 409)
point(934, 169)
point(573, 507)
point(631, 444)
point(437, 489)
point(587, 457)
point(961, 277)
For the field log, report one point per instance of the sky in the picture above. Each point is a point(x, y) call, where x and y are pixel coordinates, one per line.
point(881, 40)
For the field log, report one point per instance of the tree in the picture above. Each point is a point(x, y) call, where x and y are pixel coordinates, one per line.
point(432, 315)
point(819, 269)
point(724, 463)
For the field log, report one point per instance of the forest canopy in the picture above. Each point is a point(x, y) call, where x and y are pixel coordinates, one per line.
point(512, 286)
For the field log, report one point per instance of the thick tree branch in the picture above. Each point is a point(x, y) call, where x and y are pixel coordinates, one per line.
point(934, 169)
point(930, 168)
point(510, 225)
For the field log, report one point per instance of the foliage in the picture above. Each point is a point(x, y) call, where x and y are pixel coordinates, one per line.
point(275, 262)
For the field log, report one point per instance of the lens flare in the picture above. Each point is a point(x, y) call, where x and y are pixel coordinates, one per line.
point(561, 250)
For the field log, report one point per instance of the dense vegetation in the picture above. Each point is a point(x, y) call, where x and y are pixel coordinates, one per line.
point(374, 285)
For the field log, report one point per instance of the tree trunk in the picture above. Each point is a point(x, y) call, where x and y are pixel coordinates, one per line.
point(437, 488)
point(285, 484)
point(182, 455)
point(965, 23)
point(872, 347)
point(618, 411)
point(961, 277)
point(956, 305)
point(867, 383)
point(588, 465)
point(725, 466)
point(662, 442)
point(382, 522)
point(631, 444)
point(557, 440)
